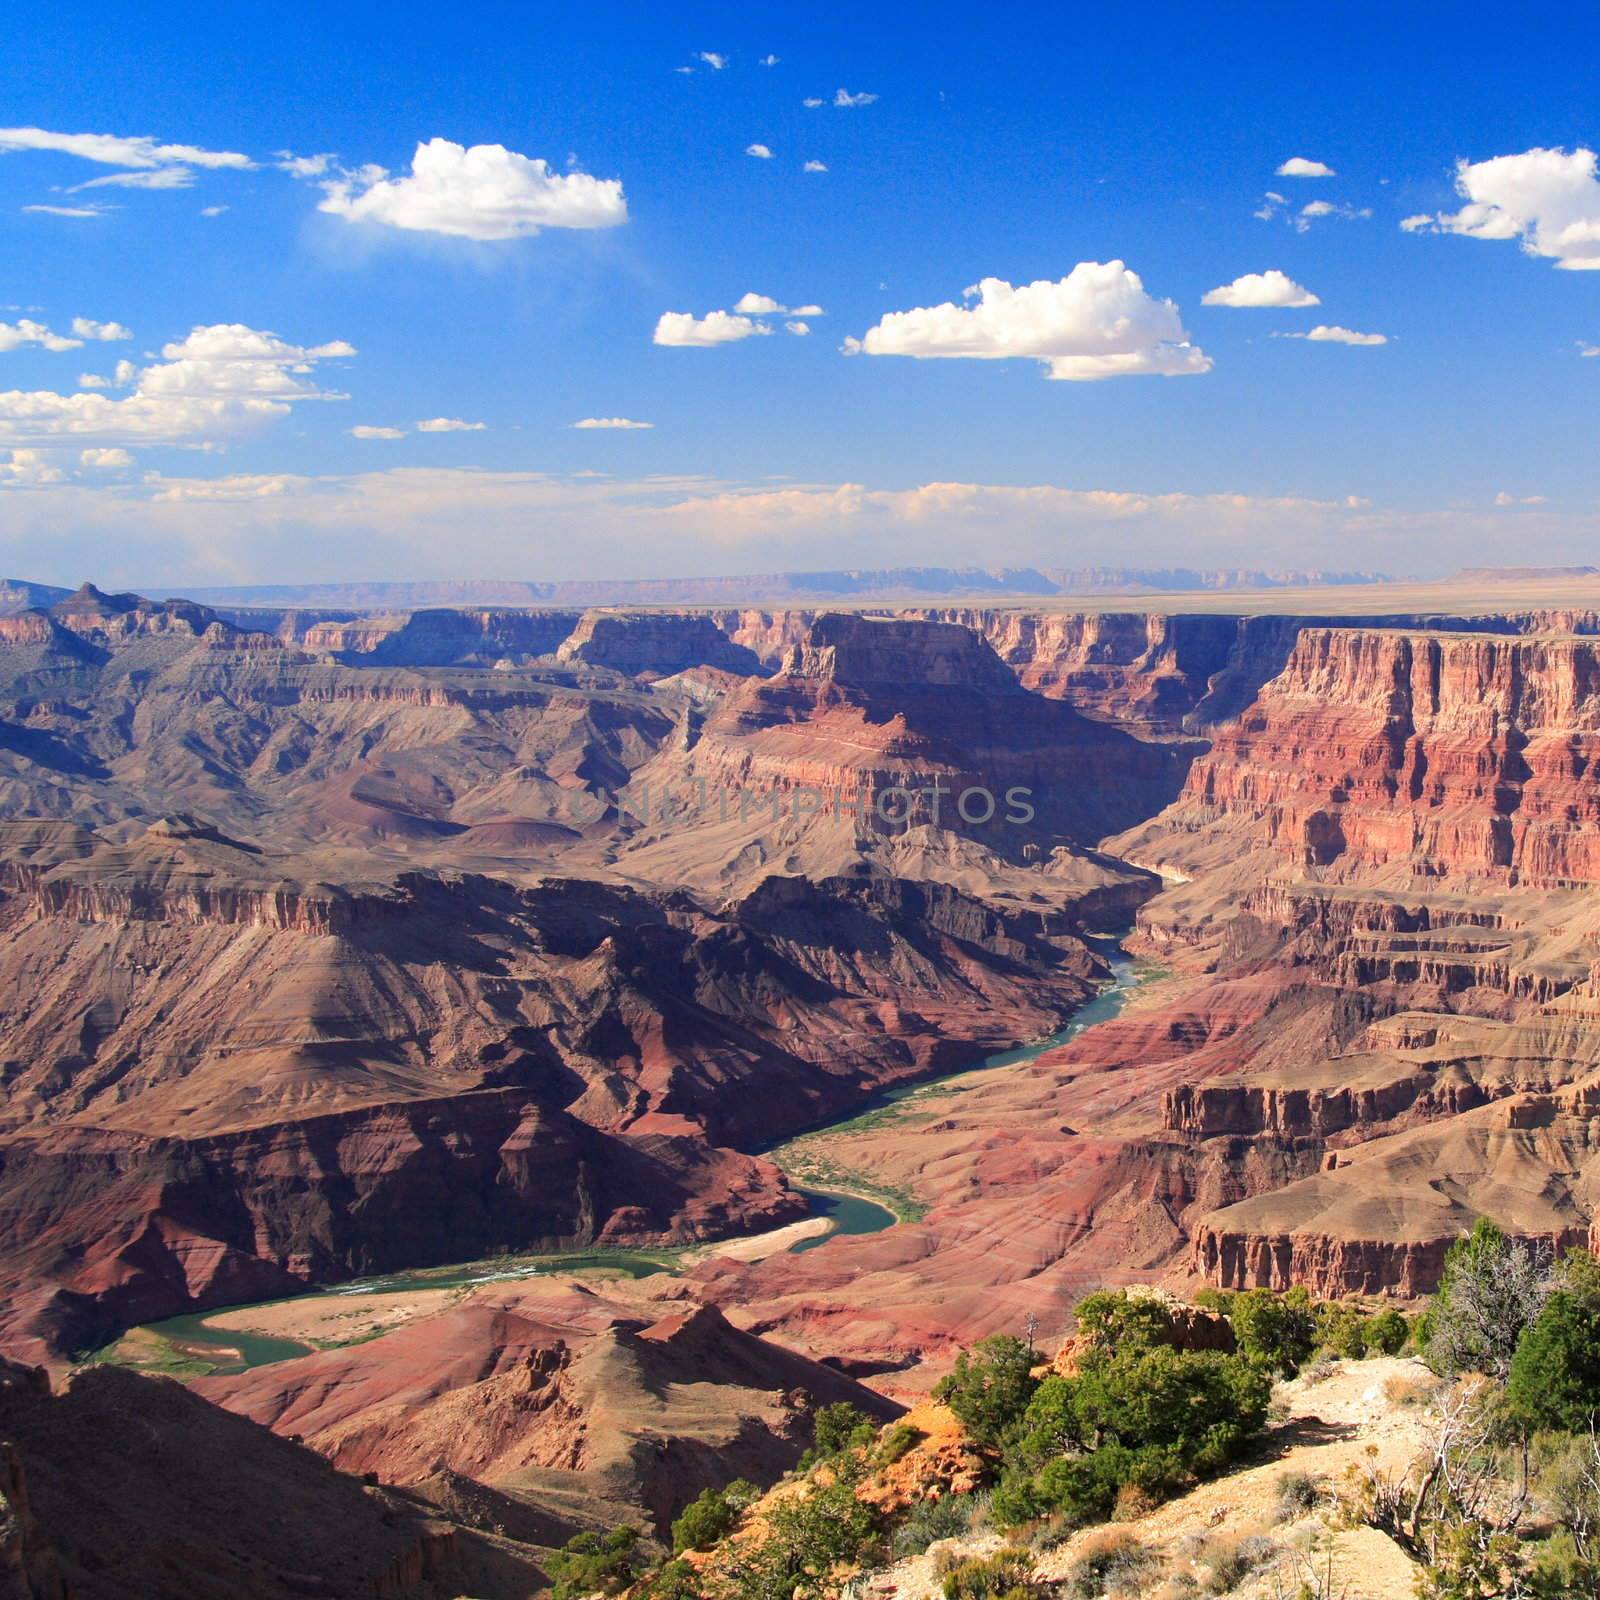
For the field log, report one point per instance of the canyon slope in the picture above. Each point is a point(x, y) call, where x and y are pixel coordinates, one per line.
point(344, 944)
point(318, 970)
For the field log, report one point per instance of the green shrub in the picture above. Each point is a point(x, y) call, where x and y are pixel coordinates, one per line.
point(1387, 1332)
point(1276, 1332)
point(1006, 1575)
point(1230, 1561)
point(1142, 1415)
point(711, 1516)
point(677, 1580)
point(590, 1562)
point(1117, 1563)
point(1555, 1370)
point(929, 1521)
point(989, 1388)
point(1489, 1291)
point(1298, 1493)
point(896, 1441)
point(841, 1427)
point(807, 1537)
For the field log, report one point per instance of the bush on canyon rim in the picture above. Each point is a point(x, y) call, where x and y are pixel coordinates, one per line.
point(1555, 1370)
point(1490, 1290)
point(1137, 1412)
point(989, 1388)
point(711, 1516)
point(592, 1563)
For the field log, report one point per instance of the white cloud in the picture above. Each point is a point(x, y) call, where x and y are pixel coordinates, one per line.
point(233, 341)
point(1097, 322)
point(798, 327)
point(29, 469)
point(811, 102)
point(757, 305)
point(1550, 199)
point(843, 97)
point(486, 192)
point(70, 211)
point(367, 430)
point(450, 425)
point(212, 211)
point(1300, 167)
point(158, 178)
point(105, 460)
point(1271, 288)
point(214, 384)
point(304, 166)
point(13, 335)
point(769, 61)
point(1587, 349)
point(1329, 208)
point(93, 380)
point(1503, 499)
point(807, 311)
point(111, 150)
point(712, 59)
point(625, 423)
point(683, 328)
point(814, 166)
point(1325, 333)
point(107, 332)
point(242, 486)
point(760, 151)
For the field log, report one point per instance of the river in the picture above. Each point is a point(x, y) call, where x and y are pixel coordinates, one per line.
point(193, 1338)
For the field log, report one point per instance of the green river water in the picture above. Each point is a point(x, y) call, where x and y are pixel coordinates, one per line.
point(193, 1337)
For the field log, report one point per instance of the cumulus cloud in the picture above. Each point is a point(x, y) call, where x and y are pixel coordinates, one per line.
point(843, 97)
point(107, 332)
point(93, 380)
point(1271, 288)
point(450, 425)
point(101, 459)
point(716, 327)
point(712, 59)
point(1549, 199)
point(367, 430)
point(757, 305)
point(1097, 322)
point(13, 335)
point(486, 192)
point(112, 150)
point(797, 327)
point(814, 166)
point(626, 423)
point(760, 151)
point(1325, 333)
point(212, 211)
point(29, 469)
point(807, 311)
point(811, 102)
point(1329, 208)
point(769, 61)
point(215, 383)
point(304, 166)
point(1300, 167)
point(1587, 349)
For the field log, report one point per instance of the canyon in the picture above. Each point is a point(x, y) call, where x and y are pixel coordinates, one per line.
point(342, 944)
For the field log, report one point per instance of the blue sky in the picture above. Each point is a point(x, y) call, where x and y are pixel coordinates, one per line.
point(1010, 147)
